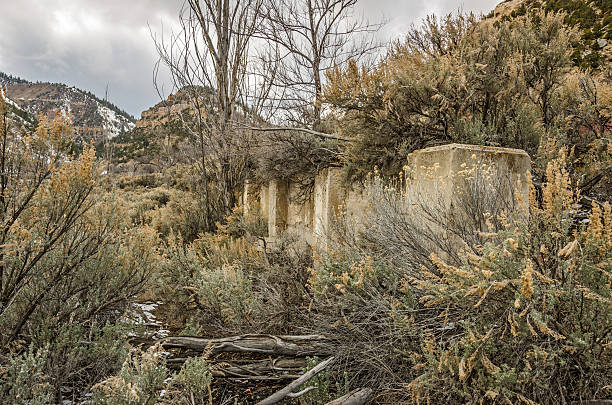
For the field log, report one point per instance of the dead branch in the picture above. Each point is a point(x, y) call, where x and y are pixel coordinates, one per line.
point(356, 397)
point(277, 369)
point(305, 345)
point(305, 130)
point(279, 395)
point(303, 392)
point(592, 182)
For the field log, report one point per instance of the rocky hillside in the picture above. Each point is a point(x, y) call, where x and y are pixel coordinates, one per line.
point(164, 112)
point(157, 136)
point(92, 118)
point(592, 19)
point(16, 116)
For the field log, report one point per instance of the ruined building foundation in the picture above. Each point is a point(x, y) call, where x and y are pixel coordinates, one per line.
point(434, 173)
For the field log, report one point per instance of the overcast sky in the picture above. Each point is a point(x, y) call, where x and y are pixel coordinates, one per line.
point(89, 43)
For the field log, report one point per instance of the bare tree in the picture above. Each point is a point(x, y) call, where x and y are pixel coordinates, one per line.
point(306, 38)
point(207, 60)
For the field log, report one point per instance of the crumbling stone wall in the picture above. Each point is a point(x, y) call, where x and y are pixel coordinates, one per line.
point(434, 175)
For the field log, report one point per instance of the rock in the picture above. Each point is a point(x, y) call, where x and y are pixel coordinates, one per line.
point(602, 43)
point(506, 7)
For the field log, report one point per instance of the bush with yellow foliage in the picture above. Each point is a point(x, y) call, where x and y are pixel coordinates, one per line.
point(459, 79)
point(69, 264)
point(519, 312)
point(529, 318)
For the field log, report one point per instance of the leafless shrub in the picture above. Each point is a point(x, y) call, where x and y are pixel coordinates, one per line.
point(294, 156)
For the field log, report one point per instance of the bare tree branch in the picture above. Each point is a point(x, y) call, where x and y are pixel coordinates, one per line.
point(279, 395)
point(207, 59)
point(313, 36)
point(305, 130)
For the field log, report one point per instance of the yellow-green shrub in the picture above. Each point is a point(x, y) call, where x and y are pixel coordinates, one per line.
point(529, 318)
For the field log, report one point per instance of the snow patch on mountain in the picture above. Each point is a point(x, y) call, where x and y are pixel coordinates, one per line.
point(113, 124)
point(16, 107)
point(7, 99)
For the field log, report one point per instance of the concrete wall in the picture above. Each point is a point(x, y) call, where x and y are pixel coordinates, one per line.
point(436, 176)
point(300, 212)
point(278, 207)
point(329, 195)
point(442, 174)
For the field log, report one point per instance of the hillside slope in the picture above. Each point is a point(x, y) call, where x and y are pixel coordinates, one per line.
point(157, 135)
point(92, 118)
point(592, 19)
point(16, 116)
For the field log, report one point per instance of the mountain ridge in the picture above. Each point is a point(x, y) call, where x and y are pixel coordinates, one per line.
point(92, 118)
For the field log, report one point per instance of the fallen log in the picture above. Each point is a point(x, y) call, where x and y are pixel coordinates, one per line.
point(356, 397)
point(285, 392)
point(266, 369)
point(304, 345)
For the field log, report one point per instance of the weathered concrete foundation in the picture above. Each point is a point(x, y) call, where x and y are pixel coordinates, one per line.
point(443, 172)
point(439, 176)
point(278, 202)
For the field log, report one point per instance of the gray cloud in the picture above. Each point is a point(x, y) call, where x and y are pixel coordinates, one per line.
point(88, 43)
point(401, 14)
